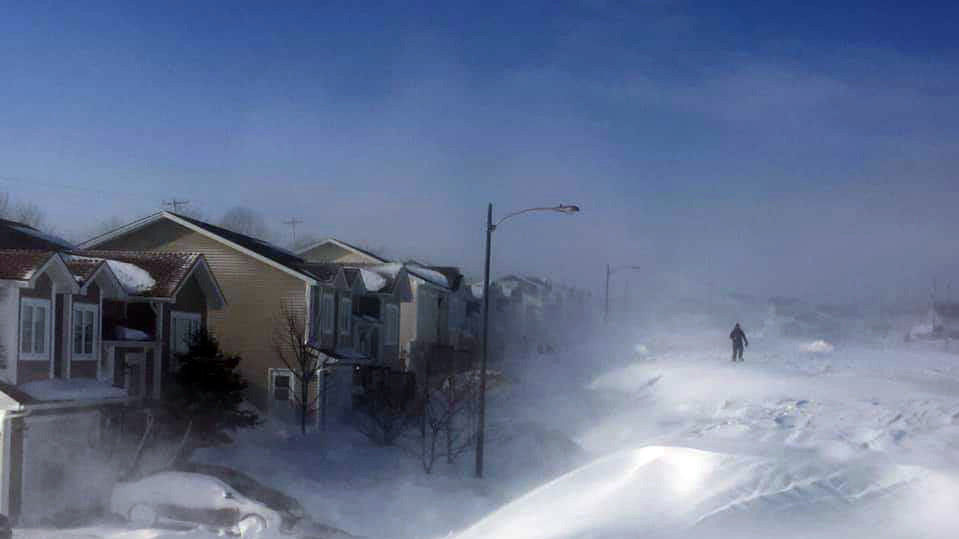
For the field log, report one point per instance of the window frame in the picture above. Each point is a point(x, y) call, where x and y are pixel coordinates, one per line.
point(34, 303)
point(346, 315)
point(328, 312)
point(80, 307)
point(276, 373)
point(181, 315)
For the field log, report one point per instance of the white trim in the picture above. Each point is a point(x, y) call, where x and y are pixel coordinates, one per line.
point(201, 261)
point(91, 243)
point(118, 292)
point(273, 373)
point(83, 306)
point(32, 356)
point(374, 258)
point(67, 277)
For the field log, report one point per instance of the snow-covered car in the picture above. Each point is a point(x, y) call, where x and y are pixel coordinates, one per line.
point(194, 499)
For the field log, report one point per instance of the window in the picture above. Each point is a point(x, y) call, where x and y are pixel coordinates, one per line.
point(281, 385)
point(84, 330)
point(346, 314)
point(183, 326)
point(35, 328)
point(391, 325)
point(329, 308)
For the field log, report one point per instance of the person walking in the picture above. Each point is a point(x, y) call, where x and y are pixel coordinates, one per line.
point(738, 336)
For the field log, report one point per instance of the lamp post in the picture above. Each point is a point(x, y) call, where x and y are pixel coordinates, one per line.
point(490, 228)
point(609, 272)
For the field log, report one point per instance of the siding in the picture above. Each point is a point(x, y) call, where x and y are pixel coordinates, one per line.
point(255, 292)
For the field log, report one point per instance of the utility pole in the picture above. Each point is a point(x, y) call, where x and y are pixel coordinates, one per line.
point(292, 224)
point(606, 309)
point(175, 204)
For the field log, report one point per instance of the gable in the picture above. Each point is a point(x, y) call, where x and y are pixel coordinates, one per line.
point(331, 250)
point(168, 232)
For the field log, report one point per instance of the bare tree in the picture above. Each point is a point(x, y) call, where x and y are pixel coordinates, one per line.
point(448, 428)
point(290, 344)
point(384, 416)
point(246, 221)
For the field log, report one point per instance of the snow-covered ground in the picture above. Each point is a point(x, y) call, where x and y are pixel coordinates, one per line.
point(658, 434)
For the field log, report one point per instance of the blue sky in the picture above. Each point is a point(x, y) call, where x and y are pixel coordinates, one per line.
point(762, 147)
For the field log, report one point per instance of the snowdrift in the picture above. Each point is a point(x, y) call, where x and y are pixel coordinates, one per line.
point(662, 491)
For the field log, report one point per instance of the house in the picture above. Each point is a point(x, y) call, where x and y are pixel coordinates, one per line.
point(263, 281)
point(424, 333)
point(83, 334)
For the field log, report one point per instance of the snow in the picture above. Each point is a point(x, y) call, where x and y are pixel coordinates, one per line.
point(128, 334)
point(73, 389)
point(135, 280)
point(44, 236)
point(373, 281)
point(392, 269)
point(859, 442)
point(817, 347)
point(432, 276)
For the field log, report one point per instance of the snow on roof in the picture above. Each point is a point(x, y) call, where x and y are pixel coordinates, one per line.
point(134, 279)
point(50, 238)
point(75, 389)
point(374, 282)
point(427, 274)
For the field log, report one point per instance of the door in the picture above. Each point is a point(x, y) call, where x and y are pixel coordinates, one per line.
point(135, 373)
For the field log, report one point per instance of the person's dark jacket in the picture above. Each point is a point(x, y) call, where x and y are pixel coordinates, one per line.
point(739, 337)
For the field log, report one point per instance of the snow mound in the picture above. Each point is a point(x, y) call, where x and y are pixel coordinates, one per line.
point(663, 491)
point(817, 347)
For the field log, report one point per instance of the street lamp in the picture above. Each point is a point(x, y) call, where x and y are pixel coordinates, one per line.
point(610, 271)
point(490, 227)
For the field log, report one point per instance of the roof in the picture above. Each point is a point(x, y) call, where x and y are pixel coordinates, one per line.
point(14, 235)
point(262, 248)
point(274, 255)
point(343, 245)
point(168, 270)
point(20, 264)
point(452, 274)
point(320, 271)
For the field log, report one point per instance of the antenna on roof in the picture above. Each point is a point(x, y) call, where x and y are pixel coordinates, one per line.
point(292, 224)
point(175, 204)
